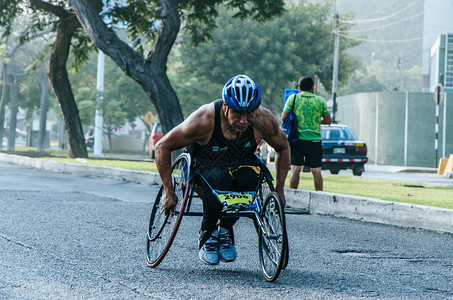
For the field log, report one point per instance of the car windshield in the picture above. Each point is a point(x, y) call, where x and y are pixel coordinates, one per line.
point(337, 133)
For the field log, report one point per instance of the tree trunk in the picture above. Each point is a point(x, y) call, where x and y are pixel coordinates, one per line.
point(59, 80)
point(149, 73)
point(2, 104)
point(29, 127)
point(44, 107)
point(13, 113)
point(61, 134)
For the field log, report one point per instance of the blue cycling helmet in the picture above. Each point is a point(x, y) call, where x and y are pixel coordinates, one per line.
point(241, 93)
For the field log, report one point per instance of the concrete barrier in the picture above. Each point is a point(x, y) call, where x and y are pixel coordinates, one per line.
point(353, 207)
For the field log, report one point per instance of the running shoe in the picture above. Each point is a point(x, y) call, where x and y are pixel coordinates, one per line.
point(209, 253)
point(227, 251)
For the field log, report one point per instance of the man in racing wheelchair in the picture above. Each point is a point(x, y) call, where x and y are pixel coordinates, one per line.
point(222, 137)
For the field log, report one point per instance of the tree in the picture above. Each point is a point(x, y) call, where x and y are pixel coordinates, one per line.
point(117, 87)
point(193, 91)
point(275, 53)
point(164, 16)
point(55, 14)
point(11, 71)
point(44, 107)
point(380, 76)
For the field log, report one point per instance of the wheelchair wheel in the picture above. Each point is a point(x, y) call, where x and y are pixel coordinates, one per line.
point(163, 228)
point(265, 189)
point(273, 242)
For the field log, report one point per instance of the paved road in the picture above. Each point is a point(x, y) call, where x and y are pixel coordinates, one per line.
point(410, 174)
point(71, 237)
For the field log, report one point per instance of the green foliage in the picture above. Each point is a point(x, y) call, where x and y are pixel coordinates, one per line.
point(122, 97)
point(8, 11)
point(86, 103)
point(193, 92)
point(380, 76)
point(143, 18)
point(274, 53)
point(2, 50)
point(113, 113)
point(35, 19)
point(81, 47)
point(29, 93)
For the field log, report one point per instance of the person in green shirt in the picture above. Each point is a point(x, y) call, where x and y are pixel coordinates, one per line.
point(311, 111)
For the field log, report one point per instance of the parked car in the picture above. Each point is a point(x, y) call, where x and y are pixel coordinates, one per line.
point(155, 136)
point(21, 138)
point(341, 150)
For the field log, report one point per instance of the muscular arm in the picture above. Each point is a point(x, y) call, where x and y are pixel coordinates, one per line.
point(267, 125)
point(196, 128)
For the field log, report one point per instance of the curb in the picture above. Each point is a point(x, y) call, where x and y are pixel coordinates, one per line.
point(80, 169)
point(372, 210)
point(323, 203)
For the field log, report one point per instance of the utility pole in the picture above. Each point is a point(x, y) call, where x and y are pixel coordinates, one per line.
point(335, 60)
point(400, 67)
point(98, 120)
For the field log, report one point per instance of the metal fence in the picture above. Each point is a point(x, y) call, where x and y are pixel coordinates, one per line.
point(399, 127)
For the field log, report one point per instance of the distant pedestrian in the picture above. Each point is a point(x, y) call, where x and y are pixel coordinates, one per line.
point(89, 137)
point(311, 111)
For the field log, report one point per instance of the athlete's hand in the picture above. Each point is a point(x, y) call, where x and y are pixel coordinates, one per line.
point(169, 202)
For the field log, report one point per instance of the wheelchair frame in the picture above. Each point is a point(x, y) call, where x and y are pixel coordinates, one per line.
point(266, 211)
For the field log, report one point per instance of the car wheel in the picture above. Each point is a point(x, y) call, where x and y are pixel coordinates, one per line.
point(357, 171)
point(334, 171)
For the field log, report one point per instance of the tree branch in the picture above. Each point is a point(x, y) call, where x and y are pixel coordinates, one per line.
point(56, 10)
point(166, 36)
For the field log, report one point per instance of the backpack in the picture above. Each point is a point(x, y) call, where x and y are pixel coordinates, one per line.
point(289, 127)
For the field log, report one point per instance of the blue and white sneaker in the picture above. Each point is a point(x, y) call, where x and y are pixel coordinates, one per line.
point(209, 253)
point(227, 251)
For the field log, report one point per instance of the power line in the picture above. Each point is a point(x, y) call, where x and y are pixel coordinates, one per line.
point(352, 21)
point(385, 25)
point(382, 41)
point(384, 7)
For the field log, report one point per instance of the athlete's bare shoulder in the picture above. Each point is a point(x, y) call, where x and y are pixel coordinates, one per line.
point(200, 123)
point(265, 122)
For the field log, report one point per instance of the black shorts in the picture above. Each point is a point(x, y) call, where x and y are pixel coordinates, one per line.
point(308, 153)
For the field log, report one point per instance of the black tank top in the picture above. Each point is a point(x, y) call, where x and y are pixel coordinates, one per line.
point(222, 152)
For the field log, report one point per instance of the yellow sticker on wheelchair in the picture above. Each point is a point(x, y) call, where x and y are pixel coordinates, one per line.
point(235, 198)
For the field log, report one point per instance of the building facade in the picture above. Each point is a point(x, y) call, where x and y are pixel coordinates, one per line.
point(441, 63)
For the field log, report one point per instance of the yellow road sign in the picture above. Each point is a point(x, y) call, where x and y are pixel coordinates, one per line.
point(149, 118)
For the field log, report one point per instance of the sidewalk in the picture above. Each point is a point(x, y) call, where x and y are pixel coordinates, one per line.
point(358, 208)
point(386, 168)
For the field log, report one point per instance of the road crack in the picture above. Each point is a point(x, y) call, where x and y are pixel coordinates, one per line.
point(15, 242)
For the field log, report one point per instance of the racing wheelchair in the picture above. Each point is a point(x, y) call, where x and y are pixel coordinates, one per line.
point(263, 205)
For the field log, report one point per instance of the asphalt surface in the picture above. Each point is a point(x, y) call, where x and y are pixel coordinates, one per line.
point(69, 236)
point(300, 201)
